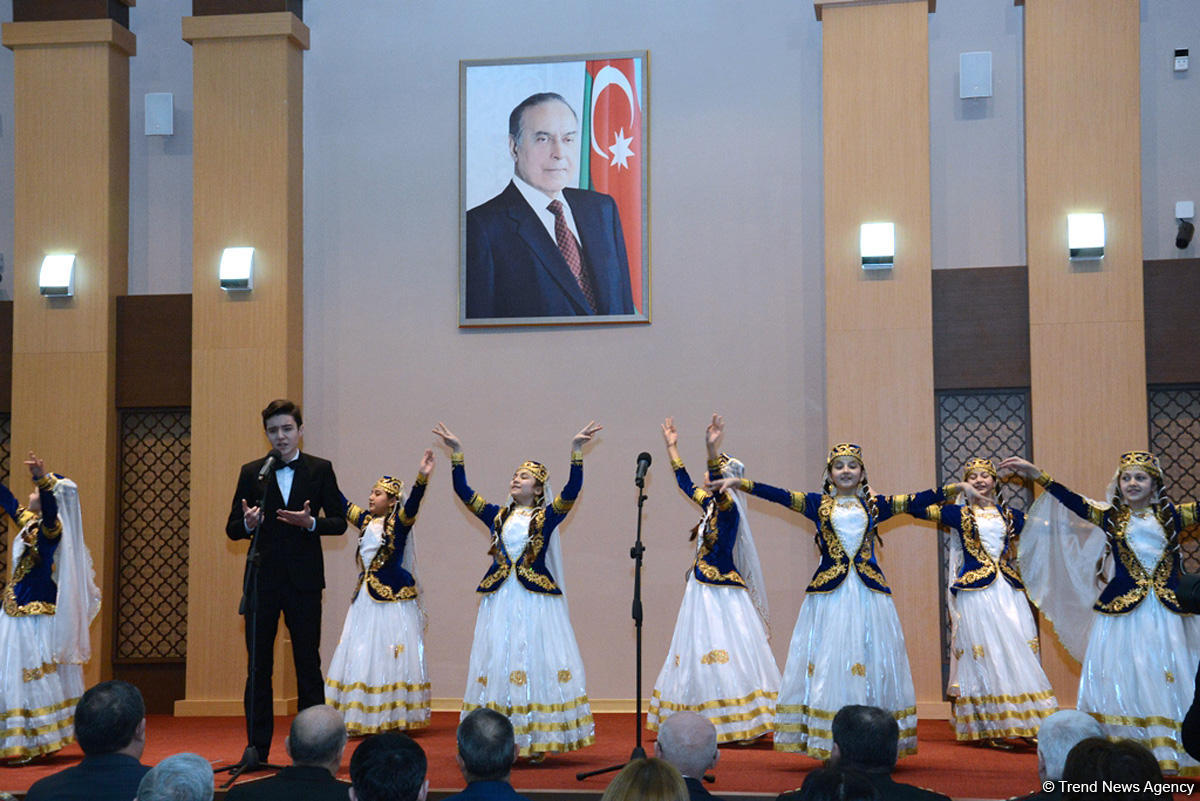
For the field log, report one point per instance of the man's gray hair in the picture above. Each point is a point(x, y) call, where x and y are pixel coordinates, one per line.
point(689, 742)
point(317, 736)
point(1059, 733)
point(181, 777)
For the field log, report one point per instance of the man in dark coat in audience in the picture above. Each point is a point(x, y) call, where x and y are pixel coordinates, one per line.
point(689, 742)
point(315, 743)
point(487, 750)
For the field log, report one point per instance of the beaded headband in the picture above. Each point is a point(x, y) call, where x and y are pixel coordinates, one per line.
point(536, 469)
point(845, 449)
point(392, 486)
point(977, 465)
point(1143, 459)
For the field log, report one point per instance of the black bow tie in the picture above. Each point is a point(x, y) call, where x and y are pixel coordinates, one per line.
point(292, 464)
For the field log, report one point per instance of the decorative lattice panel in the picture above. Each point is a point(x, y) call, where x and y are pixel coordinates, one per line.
point(152, 537)
point(991, 423)
point(1175, 437)
point(5, 473)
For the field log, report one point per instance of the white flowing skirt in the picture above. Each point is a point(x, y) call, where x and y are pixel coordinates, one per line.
point(37, 695)
point(719, 664)
point(1137, 678)
point(847, 648)
point(377, 677)
point(1002, 690)
point(525, 664)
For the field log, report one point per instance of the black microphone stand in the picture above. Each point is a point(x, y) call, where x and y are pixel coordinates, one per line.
point(249, 609)
point(635, 553)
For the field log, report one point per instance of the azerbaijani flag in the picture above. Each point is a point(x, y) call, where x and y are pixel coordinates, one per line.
point(611, 158)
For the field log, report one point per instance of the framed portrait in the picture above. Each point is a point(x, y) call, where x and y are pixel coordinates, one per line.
point(553, 199)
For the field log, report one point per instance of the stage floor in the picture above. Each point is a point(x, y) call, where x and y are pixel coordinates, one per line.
point(942, 764)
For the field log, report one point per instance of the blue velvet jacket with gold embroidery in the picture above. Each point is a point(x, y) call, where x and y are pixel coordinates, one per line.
point(32, 589)
point(835, 562)
point(714, 558)
point(1131, 582)
point(385, 578)
point(530, 566)
point(978, 569)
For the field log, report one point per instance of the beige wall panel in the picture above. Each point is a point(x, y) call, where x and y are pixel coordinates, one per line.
point(71, 146)
point(247, 191)
point(879, 368)
point(1087, 353)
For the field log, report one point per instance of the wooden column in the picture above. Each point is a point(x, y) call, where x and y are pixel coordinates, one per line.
point(247, 347)
point(878, 325)
point(71, 187)
point(1086, 319)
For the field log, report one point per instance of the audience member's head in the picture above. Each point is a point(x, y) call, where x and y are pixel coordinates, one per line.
point(487, 746)
point(111, 717)
point(1124, 763)
point(1058, 735)
point(181, 777)
point(837, 784)
point(866, 738)
point(388, 767)
point(689, 742)
point(647, 780)
point(317, 738)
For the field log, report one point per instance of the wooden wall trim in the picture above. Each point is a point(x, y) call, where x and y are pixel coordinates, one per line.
point(1172, 289)
point(246, 26)
point(154, 350)
point(82, 31)
point(981, 328)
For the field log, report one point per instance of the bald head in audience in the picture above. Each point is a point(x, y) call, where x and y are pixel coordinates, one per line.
point(689, 742)
point(317, 738)
point(1058, 734)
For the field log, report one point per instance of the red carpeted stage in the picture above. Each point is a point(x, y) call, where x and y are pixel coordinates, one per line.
point(960, 771)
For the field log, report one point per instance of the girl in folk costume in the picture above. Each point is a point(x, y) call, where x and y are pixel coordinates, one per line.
point(1140, 653)
point(847, 647)
point(524, 660)
point(48, 604)
point(999, 688)
point(377, 678)
point(719, 664)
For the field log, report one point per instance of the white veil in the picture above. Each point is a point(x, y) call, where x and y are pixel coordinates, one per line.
point(1061, 557)
point(78, 596)
point(745, 555)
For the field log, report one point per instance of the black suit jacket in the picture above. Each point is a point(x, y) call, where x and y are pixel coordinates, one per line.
point(293, 784)
point(515, 269)
point(697, 790)
point(103, 777)
point(291, 556)
point(488, 791)
point(887, 789)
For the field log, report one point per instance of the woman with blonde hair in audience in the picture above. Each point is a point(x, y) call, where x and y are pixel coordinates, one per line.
point(650, 779)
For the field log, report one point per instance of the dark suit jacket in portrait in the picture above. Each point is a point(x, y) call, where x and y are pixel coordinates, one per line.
point(295, 783)
point(488, 791)
point(102, 777)
point(515, 269)
point(290, 557)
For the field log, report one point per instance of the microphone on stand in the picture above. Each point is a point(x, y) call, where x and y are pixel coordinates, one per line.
point(273, 458)
point(643, 464)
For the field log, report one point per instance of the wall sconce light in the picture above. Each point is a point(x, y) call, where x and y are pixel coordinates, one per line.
point(56, 279)
point(877, 241)
point(1085, 236)
point(237, 269)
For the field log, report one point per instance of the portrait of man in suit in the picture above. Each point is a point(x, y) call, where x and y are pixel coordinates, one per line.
point(544, 250)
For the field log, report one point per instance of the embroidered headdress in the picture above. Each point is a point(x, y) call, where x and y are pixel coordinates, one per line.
point(392, 486)
point(730, 466)
point(1143, 459)
point(845, 449)
point(536, 469)
point(977, 465)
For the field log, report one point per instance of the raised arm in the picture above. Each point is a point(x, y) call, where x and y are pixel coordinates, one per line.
point(1073, 501)
point(671, 437)
point(458, 477)
point(45, 484)
point(408, 515)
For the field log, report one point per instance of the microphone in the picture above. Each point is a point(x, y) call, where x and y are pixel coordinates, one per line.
point(643, 464)
point(273, 458)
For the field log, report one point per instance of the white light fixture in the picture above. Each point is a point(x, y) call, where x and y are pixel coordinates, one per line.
point(1085, 236)
point(237, 269)
point(57, 276)
point(877, 241)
